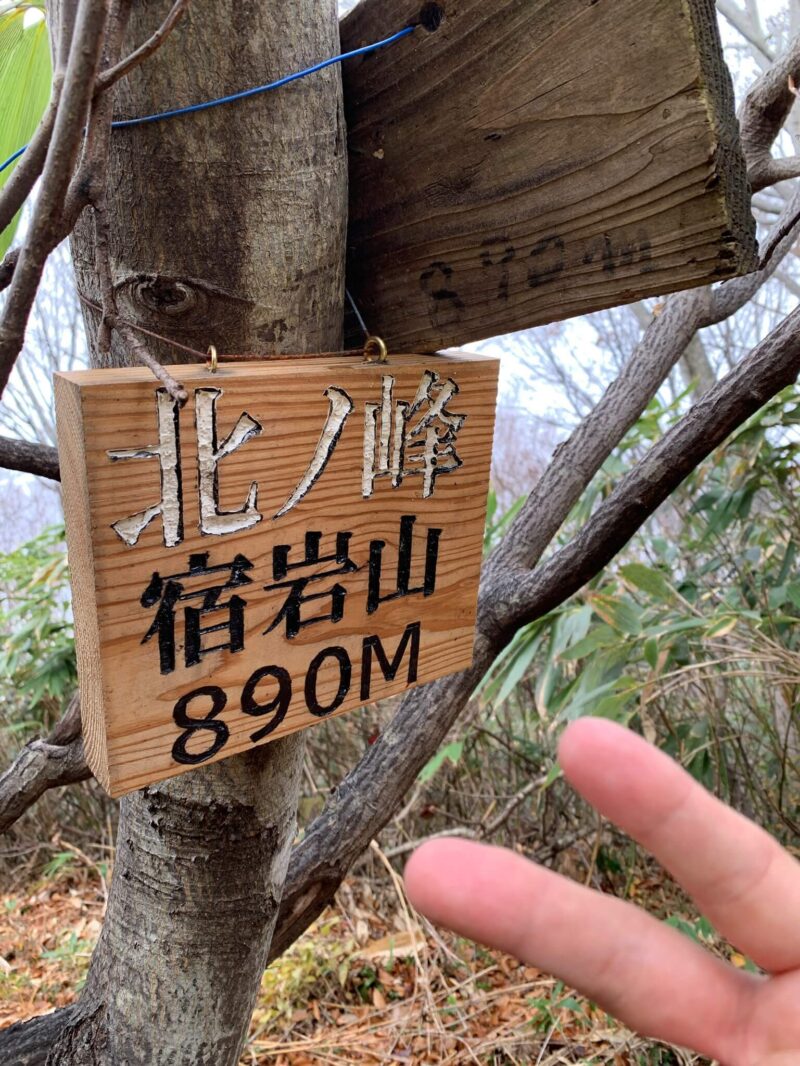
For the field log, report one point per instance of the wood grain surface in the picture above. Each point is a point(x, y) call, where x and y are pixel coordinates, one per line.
point(128, 702)
point(532, 160)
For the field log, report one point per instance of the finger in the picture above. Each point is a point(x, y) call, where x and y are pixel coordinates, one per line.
point(740, 878)
point(652, 977)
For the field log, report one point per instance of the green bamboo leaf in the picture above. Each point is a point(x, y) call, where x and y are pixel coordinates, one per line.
point(553, 775)
point(623, 615)
point(25, 78)
point(722, 627)
point(648, 580)
point(449, 753)
point(601, 637)
point(651, 652)
point(517, 670)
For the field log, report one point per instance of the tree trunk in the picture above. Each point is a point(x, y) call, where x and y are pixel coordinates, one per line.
point(226, 227)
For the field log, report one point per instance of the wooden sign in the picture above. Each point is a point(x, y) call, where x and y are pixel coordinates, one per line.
point(300, 539)
point(532, 160)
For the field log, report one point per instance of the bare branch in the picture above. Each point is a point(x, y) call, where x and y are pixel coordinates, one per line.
point(25, 174)
point(41, 765)
point(29, 1043)
point(728, 298)
point(777, 170)
point(7, 268)
point(46, 227)
point(461, 831)
point(788, 281)
point(39, 459)
point(752, 34)
point(500, 819)
point(373, 791)
point(763, 115)
point(772, 366)
point(577, 460)
point(125, 66)
point(67, 16)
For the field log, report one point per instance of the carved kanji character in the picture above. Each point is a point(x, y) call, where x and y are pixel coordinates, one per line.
point(292, 608)
point(340, 407)
point(209, 455)
point(403, 585)
point(167, 451)
point(212, 520)
point(169, 591)
point(403, 439)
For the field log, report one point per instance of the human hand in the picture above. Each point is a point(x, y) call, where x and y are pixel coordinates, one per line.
point(644, 972)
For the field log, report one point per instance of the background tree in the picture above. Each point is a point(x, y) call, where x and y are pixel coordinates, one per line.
point(199, 872)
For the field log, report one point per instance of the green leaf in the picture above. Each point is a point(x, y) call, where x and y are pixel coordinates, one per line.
point(722, 626)
point(514, 659)
point(601, 636)
point(517, 670)
point(451, 752)
point(553, 774)
point(614, 707)
point(25, 77)
point(623, 615)
point(570, 628)
point(648, 580)
point(651, 652)
point(683, 625)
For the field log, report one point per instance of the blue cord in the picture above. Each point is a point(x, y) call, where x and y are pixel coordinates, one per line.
point(124, 123)
point(11, 159)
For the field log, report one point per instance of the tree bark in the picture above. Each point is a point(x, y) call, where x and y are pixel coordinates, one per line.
point(225, 227)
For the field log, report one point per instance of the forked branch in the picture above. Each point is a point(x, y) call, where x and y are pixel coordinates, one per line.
point(43, 764)
point(368, 797)
point(763, 116)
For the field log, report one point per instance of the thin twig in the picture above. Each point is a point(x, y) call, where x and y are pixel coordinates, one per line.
point(411, 845)
point(141, 354)
point(46, 228)
point(516, 801)
point(784, 227)
point(201, 356)
point(125, 66)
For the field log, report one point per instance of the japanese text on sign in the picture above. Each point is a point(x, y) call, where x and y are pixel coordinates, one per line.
point(295, 542)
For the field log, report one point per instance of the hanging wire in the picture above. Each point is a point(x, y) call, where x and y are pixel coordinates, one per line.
point(213, 358)
point(141, 329)
point(357, 313)
point(246, 93)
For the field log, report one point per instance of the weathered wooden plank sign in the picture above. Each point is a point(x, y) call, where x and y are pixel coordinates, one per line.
point(301, 539)
point(532, 160)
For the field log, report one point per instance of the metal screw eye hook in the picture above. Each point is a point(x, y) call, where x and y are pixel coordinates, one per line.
point(213, 361)
point(375, 350)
